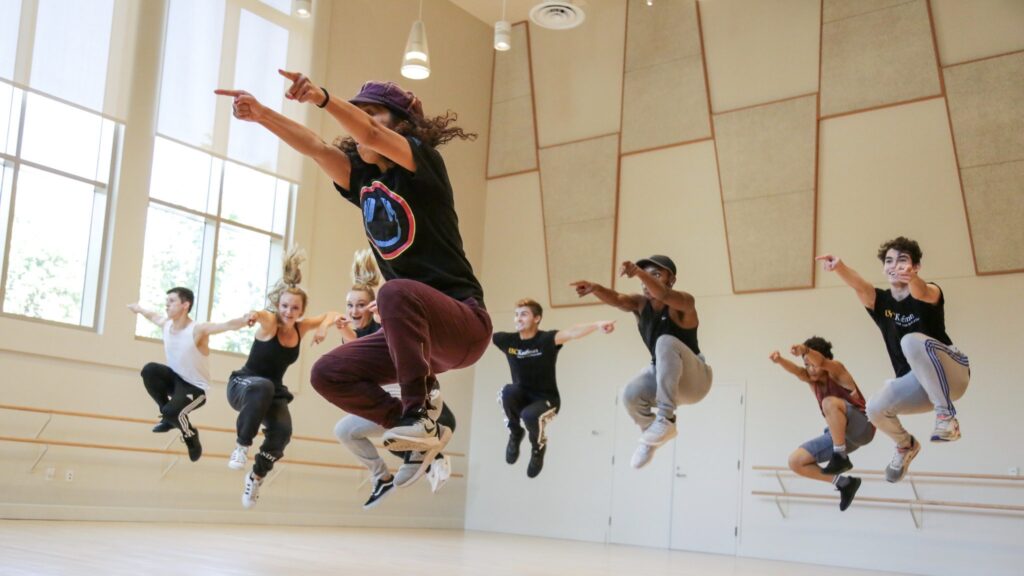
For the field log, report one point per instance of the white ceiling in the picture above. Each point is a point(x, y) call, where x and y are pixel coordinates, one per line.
point(489, 11)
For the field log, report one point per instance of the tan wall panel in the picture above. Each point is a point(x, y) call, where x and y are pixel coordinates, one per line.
point(514, 260)
point(665, 104)
point(977, 29)
point(513, 142)
point(771, 241)
point(662, 33)
point(768, 149)
point(670, 204)
point(888, 173)
point(878, 58)
point(760, 51)
point(840, 9)
point(578, 75)
point(986, 106)
point(513, 139)
point(579, 251)
point(579, 180)
point(995, 202)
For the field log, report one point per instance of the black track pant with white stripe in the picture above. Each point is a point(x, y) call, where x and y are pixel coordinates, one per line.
point(175, 397)
point(534, 410)
point(258, 402)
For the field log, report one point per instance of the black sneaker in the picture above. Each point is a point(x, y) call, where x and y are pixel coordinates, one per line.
point(163, 426)
point(536, 462)
point(838, 464)
point(381, 488)
point(195, 449)
point(846, 493)
point(512, 450)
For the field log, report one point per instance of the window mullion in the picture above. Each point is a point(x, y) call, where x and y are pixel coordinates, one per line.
point(26, 41)
point(226, 75)
point(11, 202)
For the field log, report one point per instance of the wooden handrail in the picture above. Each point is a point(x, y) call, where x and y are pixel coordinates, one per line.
point(912, 474)
point(903, 501)
point(173, 452)
point(145, 421)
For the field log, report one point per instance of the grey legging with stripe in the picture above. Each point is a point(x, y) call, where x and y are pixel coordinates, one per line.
point(939, 375)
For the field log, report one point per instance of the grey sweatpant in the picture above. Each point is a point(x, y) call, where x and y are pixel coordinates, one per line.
point(677, 377)
point(355, 433)
point(938, 375)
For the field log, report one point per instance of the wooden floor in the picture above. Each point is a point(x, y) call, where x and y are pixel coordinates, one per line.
point(112, 549)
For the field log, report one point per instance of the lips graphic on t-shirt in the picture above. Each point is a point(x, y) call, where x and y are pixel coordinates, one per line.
point(388, 219)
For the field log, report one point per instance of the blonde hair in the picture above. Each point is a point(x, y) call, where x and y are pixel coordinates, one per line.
point(291, 276)
point(365, 274)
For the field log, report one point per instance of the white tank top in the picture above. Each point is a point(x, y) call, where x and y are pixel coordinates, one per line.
point(184, 357)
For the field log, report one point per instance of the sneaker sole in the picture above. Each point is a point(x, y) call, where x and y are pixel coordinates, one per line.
point(411, 443)
point(236, 465)
point(428, 458)
point(372, 505)
point(660, 442)
point(951, 438)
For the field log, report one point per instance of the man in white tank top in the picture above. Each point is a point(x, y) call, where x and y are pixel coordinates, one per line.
point(180, 386)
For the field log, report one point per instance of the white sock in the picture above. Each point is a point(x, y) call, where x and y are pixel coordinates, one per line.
point(840, 449)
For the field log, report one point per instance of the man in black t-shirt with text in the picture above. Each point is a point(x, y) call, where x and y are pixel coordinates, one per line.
point(532, 398)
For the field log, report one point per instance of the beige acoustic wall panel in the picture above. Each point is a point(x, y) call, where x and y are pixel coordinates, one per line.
point(968, 30)
point(874, 54)
point(513, 144)
point(579, 182)
point(759, 51)
point(514, 259)
point(766, 158)
point(577, 75)
point(986, 108)
point(889, 173)
point(664, 93)
point(669, 203)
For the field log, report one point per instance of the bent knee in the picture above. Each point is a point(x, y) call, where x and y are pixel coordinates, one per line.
point(833, 404)
point(799, 458)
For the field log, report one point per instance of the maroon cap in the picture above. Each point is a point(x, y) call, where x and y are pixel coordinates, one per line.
point(391, 96)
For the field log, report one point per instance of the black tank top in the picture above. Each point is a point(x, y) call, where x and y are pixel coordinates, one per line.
point(270, 359)
point(368, 329)
point(654, 325)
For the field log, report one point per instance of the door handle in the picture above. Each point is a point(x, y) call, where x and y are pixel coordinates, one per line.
point(680, 475)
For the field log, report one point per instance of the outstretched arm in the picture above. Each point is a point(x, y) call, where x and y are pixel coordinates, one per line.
point(319, 323)
point(583, 330)
point(363, 128)
point(150, 315)
point(329, 158)
point(624, 302)
point(677, 299)
point(865, 291)
point(206, 329)
point(835, 369)
point(919, 289)
point(790, 367)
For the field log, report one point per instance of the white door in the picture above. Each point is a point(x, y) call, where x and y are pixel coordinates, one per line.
point(707, 478)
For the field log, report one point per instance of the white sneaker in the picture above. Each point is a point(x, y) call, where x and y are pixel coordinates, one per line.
point(901, 460)
point(660, 431)
point(439, 472)
point(251, 494)
point(239, 457)
point(642, 455)
point(416, 463)
point(946, 429)
point(418, 433)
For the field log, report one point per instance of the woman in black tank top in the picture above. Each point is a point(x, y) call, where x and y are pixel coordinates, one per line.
point(257, 390)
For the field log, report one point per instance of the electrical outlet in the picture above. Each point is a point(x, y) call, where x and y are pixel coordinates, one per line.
point(69, 475)
point(1014, 471)
point(51, 472)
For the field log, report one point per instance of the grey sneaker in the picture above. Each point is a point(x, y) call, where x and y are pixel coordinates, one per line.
point(660, 431)
point(946, 429)
point(901, 460)
point(239, 457)
point(417, 432)
point(642, 456)
point(251, 494)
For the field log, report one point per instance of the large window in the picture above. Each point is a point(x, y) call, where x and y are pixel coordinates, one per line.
point(219, 200)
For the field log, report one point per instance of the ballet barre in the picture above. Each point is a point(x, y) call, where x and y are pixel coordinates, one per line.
point(51, 413)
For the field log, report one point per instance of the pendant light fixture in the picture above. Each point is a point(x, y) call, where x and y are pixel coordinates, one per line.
point(502, 32)
point(416, 63)
point(303, 8)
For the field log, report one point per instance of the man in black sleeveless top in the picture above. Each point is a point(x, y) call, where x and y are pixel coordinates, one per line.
point(677, 374)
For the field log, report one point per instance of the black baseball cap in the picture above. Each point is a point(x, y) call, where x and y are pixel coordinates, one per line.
point(663, 262)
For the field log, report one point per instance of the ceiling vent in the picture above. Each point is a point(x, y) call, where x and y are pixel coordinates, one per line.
point(557, 14)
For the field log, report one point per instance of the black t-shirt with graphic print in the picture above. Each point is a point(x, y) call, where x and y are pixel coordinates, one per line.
point(410, 221)
point(532, 361)
point(897, 318)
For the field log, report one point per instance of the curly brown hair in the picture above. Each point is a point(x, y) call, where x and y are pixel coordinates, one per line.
point(433, 132)
point(903, 245)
